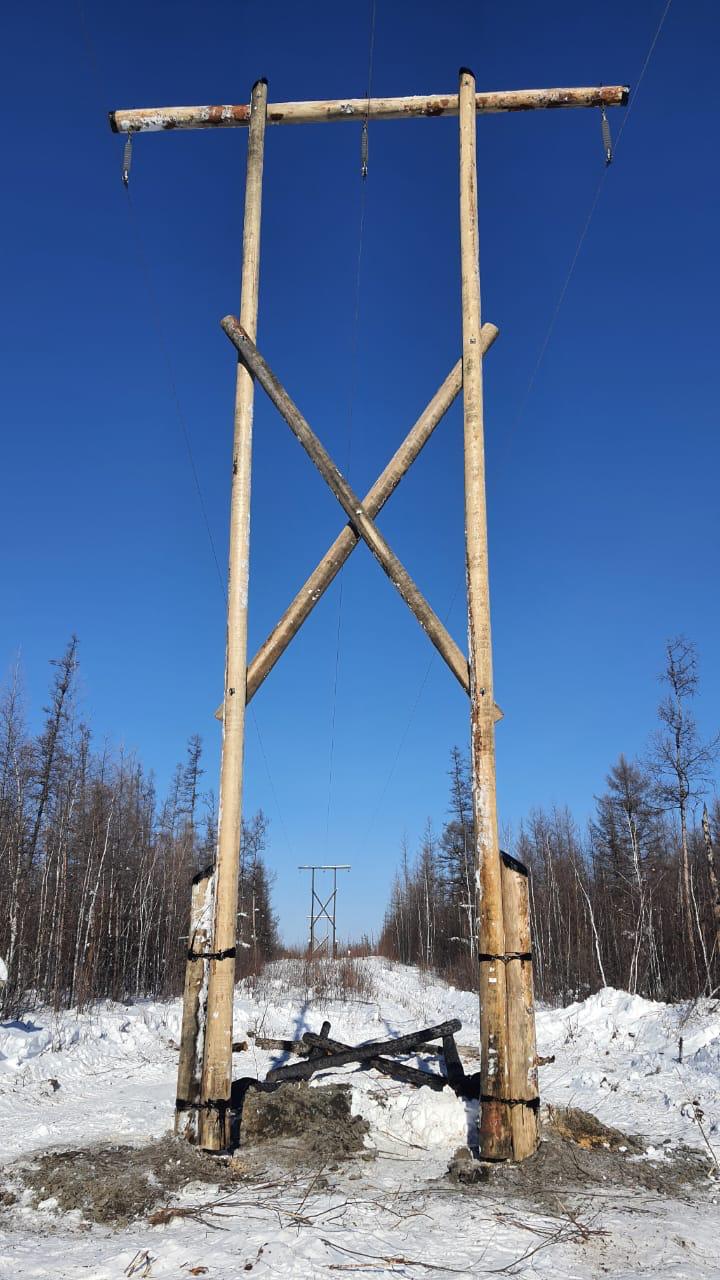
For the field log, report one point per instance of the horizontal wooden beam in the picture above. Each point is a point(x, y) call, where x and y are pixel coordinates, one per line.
point(349, 501)
point(155, 119)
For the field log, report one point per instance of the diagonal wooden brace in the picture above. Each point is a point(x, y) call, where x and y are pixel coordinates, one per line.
point(315, 586)
point(351, 504)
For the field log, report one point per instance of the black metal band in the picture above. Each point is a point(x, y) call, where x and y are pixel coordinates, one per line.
point(533, 1103)
point(509, 955)
point(228, 954)
point(212, 1104)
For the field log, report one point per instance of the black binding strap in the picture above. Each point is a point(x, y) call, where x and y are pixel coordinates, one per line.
point(532, 1103)
point(509, 955)
point(213, 1104)
point(228, 954)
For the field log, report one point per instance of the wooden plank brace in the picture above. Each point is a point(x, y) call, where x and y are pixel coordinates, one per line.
point(351, 504)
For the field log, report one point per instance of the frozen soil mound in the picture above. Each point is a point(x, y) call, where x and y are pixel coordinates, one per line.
point(115, 1184)
point(302, 1122)
point(292, 1126)
point(580, 1157)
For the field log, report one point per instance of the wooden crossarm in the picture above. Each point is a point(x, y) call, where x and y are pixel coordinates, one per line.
point(157, 119)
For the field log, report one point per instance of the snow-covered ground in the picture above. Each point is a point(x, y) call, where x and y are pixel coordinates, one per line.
point(109, 1076)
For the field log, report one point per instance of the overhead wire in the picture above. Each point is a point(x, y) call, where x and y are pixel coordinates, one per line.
point(183, 424)
point(351, 403)
point(146, 274)
point(165, 349)
point(581, 241)
point(533, 376)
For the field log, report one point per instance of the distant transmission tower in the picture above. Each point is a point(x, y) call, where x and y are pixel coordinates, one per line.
point(323, 911)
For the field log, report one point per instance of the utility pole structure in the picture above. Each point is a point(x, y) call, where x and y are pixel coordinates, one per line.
point(508, 1090)
point(323, 910)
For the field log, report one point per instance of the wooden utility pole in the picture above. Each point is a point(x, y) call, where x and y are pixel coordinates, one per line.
point(496, 1129)
point(190, 1061)
point(214, 1133)
point(509, 1097)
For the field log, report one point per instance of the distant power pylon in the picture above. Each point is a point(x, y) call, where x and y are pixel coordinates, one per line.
point(323, 910)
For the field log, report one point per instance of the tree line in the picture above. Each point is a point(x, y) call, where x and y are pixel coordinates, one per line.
point(630, 900)
point(95, 870)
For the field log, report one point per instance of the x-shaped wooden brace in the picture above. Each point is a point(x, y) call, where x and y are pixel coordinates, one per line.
point(360, 514)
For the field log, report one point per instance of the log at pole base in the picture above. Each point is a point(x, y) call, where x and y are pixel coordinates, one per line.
point(523, 1076)
point(214, 1126)
point(495, 1137)
point(191, 1042)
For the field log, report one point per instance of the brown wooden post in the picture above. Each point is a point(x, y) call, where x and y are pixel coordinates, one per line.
point(192, 1041)
point(214, 1129)
point(495, 1125)
point(523, 1079)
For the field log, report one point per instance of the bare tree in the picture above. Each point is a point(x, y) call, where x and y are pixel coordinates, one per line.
point(712, 873)
point(681, 766)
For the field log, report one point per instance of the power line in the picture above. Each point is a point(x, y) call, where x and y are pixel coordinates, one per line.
point(411, 717)
point(162, 340)
point(146, 273)
point(351, 406)
point(526, 395)
point(581, 240)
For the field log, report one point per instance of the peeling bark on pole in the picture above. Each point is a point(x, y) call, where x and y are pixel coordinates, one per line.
point(193, 1019)
point(522, 1071)
point(229, 116)
point(495, 1124)
point(214, 1128)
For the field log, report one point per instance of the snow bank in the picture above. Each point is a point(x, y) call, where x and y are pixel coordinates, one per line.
point(109, 1075)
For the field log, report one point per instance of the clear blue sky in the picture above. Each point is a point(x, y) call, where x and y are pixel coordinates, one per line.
point(603, 481)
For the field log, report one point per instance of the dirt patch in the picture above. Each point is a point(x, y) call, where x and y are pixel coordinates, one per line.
point(115, 1184)
point(291, 1126)
point(579, 1157)
point(587, 1131)
point(302, 1123)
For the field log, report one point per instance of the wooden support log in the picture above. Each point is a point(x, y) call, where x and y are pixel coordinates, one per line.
point(400, 1044)
point(522, 1052)
point(315, 1051)
point(314, 588)
point(495, 1138)
point(342, 548)
point(155, 119)
point(453, 1065)
point(191, 1033)
point(348, 500)
point(214, 1127)
point(386, 1066)
point(297, 1047)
